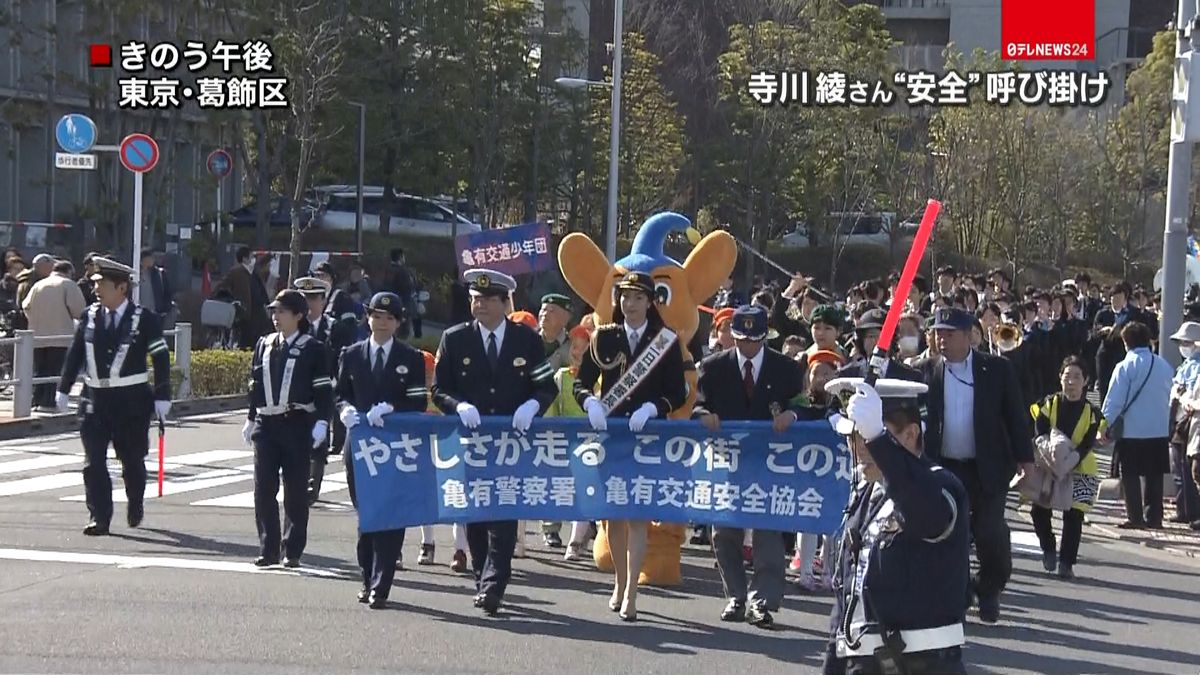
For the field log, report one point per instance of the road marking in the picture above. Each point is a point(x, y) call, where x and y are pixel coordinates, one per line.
point(36, 463)
point(58, 481)
point(139, 562)
point(200, 481)
point(53, 481)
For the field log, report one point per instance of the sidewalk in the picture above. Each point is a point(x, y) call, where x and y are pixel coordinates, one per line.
point(6, 404)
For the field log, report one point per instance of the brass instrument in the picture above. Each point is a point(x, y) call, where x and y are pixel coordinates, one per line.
point(1006, 337)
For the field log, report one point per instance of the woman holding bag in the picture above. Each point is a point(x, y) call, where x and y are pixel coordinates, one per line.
point(1137, 411)
point(1070, 412)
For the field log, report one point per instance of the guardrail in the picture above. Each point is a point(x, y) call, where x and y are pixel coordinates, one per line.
point(24, 343)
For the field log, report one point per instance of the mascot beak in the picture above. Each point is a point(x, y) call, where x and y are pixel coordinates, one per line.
point(693, 235)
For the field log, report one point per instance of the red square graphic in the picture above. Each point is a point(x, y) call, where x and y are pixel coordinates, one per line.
point(1036, 30)
point(101, 56)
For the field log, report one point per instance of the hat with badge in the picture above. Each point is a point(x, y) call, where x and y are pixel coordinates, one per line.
point(385, 301)
point(558, 300)
point(291, 300)
point(749, 323)
point(952, 318)
point(489, 282)
point(637, 281)
point(893, 393)
point(107, 268)
point(311, 286)
point(871, 319)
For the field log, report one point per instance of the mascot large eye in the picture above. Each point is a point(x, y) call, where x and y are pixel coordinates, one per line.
point(662, 294)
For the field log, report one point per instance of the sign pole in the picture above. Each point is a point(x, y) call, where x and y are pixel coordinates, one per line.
point(137, 232)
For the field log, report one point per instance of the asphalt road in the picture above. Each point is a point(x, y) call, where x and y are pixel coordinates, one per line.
point(179, 595)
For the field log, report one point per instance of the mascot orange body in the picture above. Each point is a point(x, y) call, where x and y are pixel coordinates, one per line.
point(680, 288)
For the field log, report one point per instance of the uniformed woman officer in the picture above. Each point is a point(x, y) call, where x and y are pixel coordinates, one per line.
point(291, 399)
point(615, 349)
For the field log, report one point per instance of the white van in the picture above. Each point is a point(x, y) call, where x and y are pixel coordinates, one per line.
point(410, 214)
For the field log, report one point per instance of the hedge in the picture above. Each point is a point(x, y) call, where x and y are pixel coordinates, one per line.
point(220, 372)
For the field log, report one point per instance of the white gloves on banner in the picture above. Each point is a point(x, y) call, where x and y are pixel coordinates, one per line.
point(468, 415)
point(349, 417)
point(375, 415)
point(525, 414)
point(62, 401)
point(161, 408)
point(865, 409)
point(320, 433)
point(247, 429)
point(596, 415)
point(637, 421)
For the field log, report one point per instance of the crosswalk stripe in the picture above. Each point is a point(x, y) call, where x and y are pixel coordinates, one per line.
point(74, 478)
point(201, 481)
point(334, 482)
point(36, 463)
point(53, 481)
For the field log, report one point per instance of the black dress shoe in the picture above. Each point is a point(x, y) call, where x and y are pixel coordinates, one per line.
point(490, 606)
point(292, 563)
point(134, 514)
point(94, 529)
point(264, 561)
point(377, 601)
point(1130, 525)
point(759, 617)
point(364, 596)
point(734, 611)
point(553, 540)
point(479, 599)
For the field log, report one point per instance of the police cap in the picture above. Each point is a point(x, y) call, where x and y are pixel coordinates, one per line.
point(386, 302)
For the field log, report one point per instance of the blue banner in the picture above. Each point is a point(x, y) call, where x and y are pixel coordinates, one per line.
point(515, 250)
point(424, 469)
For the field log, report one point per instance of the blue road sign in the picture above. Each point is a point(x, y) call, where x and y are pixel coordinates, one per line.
point(75, 133)
point(219, 163)
point(139, 153)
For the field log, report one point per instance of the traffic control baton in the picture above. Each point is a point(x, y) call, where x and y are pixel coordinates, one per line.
point(900, 293)
point(162, 433)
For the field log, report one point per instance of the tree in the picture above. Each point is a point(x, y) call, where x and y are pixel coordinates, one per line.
point(309, 52)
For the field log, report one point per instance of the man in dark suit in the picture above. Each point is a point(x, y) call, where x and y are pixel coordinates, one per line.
point(979, 429)
point(492, 366)
point(1108, 324)
point(749, 382)
point(379, 375)
point(866, 336)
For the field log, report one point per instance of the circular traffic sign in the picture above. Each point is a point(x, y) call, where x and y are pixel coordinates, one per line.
point(75, 133)
point(219, 163)
point(139, 153)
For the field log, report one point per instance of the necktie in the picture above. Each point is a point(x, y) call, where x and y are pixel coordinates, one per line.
point(278, 355)
point(112, 319)
point(748, 379)
point(493, 352)
point(634, 338)
point(378, 370)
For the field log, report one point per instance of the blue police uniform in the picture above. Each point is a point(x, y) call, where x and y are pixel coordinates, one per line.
point(495, 381)
point(342, 321)
point(118, 402)
point(290, 391)
point(902, 569)
point(371, 374)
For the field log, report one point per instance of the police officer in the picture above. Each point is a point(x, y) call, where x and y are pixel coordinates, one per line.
point(291, 401)
point(379, 376)
point(336, 336)
point(112, 342)
point(749, 382)
point(866, 336)
point(619, 348)
point(902, 565)
point(492, 366)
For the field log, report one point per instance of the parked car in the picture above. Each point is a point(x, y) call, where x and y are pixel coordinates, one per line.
point(854, 228)
point(280, 214)
point(410, 214)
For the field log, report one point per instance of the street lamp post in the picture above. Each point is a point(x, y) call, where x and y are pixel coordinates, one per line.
point(610, 234)
point(362, 156)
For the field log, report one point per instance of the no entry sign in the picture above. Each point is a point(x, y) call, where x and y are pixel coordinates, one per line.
point(139, 153)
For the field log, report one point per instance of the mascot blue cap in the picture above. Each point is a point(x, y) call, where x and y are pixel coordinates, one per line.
point(647, 253)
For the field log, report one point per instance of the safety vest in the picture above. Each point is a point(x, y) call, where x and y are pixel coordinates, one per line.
point(113, 377)
point(282, 405)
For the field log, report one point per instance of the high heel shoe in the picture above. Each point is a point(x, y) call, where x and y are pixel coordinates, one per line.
point(628, 611)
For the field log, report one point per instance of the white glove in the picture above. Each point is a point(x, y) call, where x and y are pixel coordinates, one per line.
point(247, 428)
point(62, 401)
point(320, 433)
point(375, 415)
point(349, 417)
point(865, 409)
point(468, 415)
point(595, 413)
point(161, 408)
point(637, 421)
point(524, 415)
